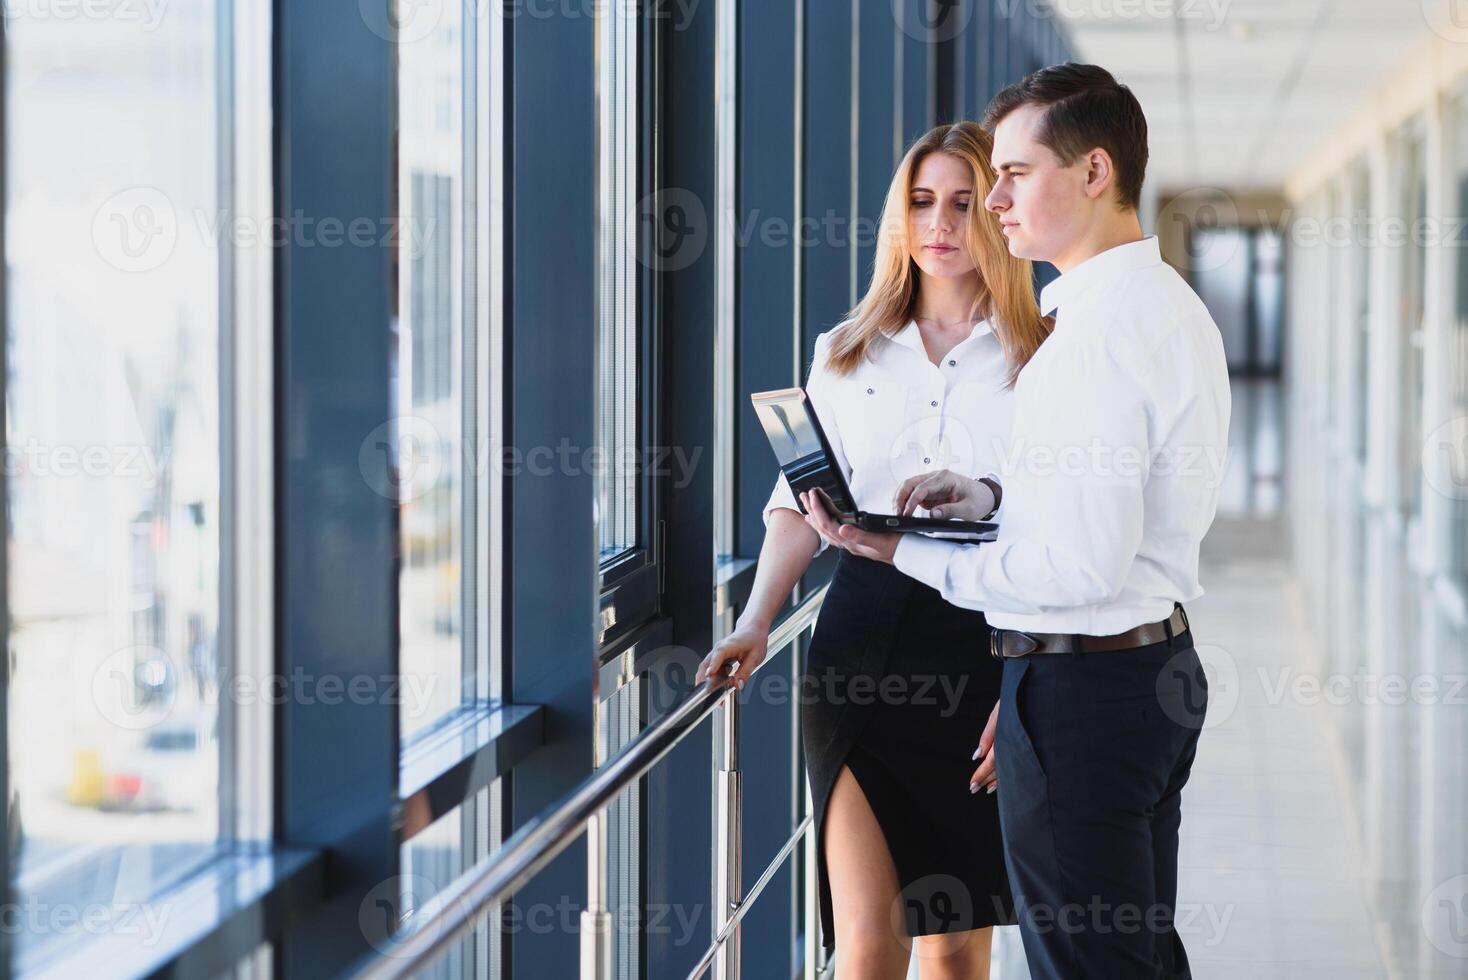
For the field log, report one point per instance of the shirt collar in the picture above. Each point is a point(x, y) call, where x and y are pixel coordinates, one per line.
point(911, 337)
point(1113, 262)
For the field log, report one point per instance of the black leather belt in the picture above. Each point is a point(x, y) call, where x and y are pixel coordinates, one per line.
point(1019, 643)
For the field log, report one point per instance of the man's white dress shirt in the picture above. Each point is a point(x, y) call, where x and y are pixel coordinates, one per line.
point(1115, 459)
point(898, 414)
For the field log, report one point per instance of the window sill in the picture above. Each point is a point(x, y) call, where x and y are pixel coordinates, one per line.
point(465, 752)
point(203, 926)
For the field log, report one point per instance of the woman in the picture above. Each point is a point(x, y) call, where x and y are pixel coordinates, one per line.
point(915, 379)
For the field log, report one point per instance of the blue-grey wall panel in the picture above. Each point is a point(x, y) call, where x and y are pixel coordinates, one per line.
point(986, 19)
point(551, 557)
point(876, 137)
point(767, 252)
point(917, 69)
point(336, 544)
point(827, 219)
point(677, 813)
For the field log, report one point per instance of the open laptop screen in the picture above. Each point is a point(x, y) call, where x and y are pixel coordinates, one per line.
point(800, 445)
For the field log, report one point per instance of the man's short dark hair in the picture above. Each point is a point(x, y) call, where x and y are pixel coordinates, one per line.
point(1085, 107)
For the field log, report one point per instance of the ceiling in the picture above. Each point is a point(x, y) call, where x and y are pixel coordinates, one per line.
point(1237, 92)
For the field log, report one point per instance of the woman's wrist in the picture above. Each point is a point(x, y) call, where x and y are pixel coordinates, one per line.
point(753, 622)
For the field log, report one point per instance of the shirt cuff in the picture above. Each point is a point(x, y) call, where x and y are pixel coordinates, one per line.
point(924, 558)
point(994, 517)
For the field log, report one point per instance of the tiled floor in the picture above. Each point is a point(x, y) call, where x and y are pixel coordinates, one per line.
point(1325, 829)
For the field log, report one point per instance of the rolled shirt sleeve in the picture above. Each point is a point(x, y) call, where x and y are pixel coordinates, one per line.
point(783, 496)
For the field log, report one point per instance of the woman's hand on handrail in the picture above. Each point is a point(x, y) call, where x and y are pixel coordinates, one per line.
point(746, 646)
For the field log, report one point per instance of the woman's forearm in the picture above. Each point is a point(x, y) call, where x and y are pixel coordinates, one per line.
point(790, 544)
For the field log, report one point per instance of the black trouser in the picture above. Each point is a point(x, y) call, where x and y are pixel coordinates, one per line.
point(1093, 751)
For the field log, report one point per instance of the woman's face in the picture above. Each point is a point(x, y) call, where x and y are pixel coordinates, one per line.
point(938, 214)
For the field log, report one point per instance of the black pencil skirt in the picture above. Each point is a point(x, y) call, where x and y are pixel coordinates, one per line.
point(897, 687)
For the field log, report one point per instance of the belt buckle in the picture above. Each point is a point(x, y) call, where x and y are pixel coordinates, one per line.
point(1027, 643)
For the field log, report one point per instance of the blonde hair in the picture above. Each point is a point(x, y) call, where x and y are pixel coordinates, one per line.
point(1006, 284)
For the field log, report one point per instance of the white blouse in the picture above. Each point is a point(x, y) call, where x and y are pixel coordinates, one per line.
point(899, 414)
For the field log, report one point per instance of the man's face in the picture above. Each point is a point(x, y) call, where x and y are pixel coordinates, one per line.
point(1042, 206)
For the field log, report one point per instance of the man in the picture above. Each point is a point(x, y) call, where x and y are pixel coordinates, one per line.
point(1120, 429)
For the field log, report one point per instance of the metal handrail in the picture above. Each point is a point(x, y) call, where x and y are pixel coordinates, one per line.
point(456, 909)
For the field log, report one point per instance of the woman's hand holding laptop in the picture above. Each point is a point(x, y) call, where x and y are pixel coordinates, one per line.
point(876, 545)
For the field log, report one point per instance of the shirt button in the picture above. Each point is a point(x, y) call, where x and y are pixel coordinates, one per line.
point(951, 363)
point(926, 460)
point(934, 404)
point(869, 391)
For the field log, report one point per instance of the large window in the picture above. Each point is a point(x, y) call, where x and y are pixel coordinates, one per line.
point(444, 386)
point(623, 489)
point(130, 341)
point(440, 455)
point(617, 315)
point(640, 235)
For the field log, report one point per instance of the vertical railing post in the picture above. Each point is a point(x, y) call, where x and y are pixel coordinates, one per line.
point(728, 820)
point(596, 920)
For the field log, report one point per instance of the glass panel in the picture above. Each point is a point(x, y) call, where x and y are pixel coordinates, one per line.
point(113, 462)
point(428, 375)
point(1361, 283)
point(429, 864)
point(1457, 352)
point(616, 480)
point(1223, 283)
point(1413, 259)
point(1336, 303)
point(621, 716)
point(1268, 299)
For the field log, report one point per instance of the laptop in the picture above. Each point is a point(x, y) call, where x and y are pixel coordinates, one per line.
point(800, 444)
